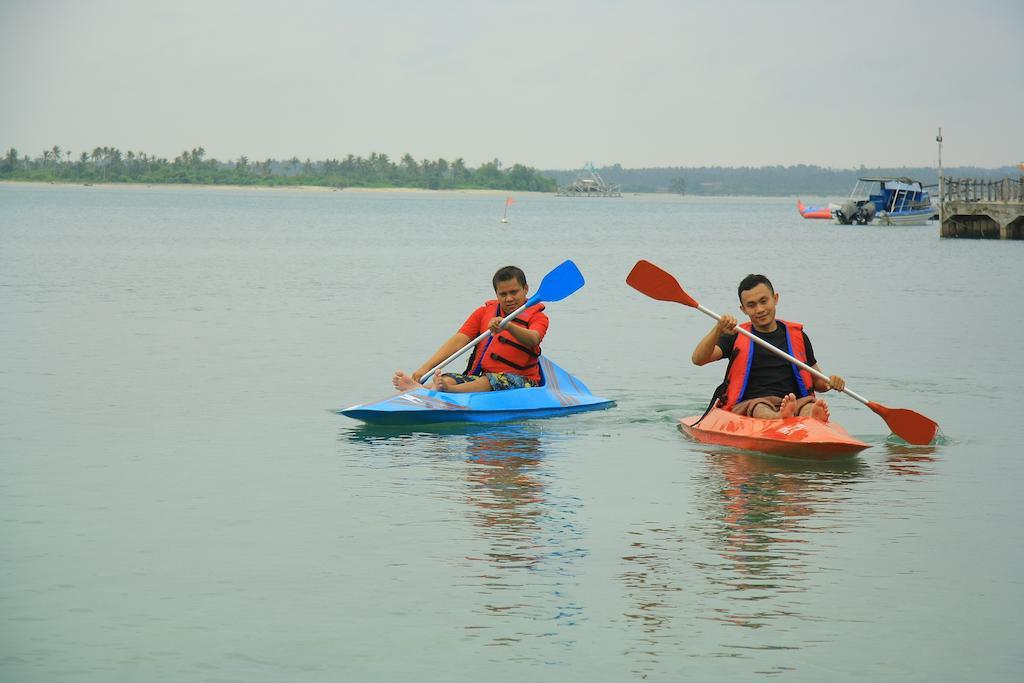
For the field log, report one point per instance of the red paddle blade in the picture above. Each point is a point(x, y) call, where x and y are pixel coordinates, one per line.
point(912, 427)
point(657, 284)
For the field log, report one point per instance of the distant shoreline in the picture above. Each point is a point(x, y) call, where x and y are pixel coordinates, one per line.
point(273, 188)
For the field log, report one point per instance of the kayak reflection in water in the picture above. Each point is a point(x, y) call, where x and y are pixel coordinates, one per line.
point(757, 382)
point(507, 358)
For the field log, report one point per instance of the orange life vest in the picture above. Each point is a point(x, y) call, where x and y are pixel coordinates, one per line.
point(504, 353)
point(743, 356)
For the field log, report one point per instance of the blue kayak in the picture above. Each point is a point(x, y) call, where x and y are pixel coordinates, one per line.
point(560, 394)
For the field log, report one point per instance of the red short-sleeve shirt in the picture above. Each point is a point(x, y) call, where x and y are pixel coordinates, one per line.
point(474, 324)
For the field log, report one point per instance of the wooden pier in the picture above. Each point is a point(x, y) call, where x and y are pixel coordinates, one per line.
point(992, 209)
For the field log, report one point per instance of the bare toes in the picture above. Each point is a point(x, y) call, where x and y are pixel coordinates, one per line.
point(788, 406)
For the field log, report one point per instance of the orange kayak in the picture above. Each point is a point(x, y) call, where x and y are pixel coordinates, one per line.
point(794, 437)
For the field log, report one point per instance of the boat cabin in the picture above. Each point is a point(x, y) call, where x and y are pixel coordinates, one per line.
point(892, 194)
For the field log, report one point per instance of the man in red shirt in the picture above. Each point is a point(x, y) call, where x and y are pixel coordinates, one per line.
point(507, 359)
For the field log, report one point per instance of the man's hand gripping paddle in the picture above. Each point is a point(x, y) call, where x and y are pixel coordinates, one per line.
point(651, 280)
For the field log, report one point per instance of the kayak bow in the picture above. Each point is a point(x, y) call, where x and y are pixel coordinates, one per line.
point(794, 437)
point(561, 394)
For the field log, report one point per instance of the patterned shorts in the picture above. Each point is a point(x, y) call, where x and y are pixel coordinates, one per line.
point(499, 380)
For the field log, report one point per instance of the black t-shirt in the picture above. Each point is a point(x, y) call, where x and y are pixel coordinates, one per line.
point(770, 375)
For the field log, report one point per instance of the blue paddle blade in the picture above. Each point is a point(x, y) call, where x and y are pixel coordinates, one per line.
point(565, 279)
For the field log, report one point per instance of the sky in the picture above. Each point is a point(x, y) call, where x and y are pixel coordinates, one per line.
point(551, 85)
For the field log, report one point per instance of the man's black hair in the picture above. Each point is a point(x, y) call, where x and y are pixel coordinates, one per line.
point(508, 273)
point(751, 281)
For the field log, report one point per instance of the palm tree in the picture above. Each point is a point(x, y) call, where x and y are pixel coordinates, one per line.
point(11, 160)
point(459, 172)
point(98, 158)
point(410, 170)
point(443, 170)
point(116, 160)
point(381, 166)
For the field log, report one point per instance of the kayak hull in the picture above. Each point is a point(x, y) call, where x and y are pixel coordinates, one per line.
point(561, 394)
point(793, 437)
point(425, 417)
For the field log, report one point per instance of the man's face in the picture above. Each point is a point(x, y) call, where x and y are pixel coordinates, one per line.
point(511, 295)
point(759, 305)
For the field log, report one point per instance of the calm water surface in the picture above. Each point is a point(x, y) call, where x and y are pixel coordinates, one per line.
point(179, 502)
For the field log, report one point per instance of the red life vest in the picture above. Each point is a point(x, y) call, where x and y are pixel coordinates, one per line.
point(504, 353)
point(743, 356)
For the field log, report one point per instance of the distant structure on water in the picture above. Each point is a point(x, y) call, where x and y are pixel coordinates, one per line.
point(589, 183)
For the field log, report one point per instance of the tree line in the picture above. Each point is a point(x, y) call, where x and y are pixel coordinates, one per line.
point(111, 165)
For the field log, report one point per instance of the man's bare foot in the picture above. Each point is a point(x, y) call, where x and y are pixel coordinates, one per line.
point(404, 382)
point(440, 382)
point(819, 410)
point(788, 406)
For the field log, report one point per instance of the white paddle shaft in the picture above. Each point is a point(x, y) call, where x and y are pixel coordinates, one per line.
point(780, 352)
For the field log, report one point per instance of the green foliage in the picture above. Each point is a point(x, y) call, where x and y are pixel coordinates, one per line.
point(110, 165)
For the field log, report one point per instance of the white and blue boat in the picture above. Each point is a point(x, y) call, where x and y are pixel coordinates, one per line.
point(886, 200)
point(560, 394)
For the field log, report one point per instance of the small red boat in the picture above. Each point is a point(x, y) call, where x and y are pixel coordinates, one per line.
point(792, 437)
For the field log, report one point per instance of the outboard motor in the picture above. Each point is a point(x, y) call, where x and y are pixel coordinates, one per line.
point(845, 213)
point(865, 214)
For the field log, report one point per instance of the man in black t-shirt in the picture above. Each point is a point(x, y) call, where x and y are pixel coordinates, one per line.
point(774, 387)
